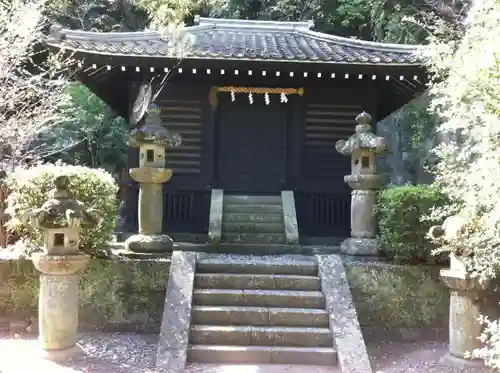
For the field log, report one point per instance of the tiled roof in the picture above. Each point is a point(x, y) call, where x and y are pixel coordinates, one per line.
point(240, 40)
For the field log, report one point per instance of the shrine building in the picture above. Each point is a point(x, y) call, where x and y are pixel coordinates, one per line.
point(259, 106)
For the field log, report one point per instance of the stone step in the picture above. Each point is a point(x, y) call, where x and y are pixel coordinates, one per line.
point(260, 316)
point(255, 249)
point(251, 200)
point(262, 355)
point(254, 238)
point(276, 265)
point(258, 298)
point(252, 218)
point(260, 336)
point(252, 209)
point(265, 367)
point(257, 281)
point(253, 227)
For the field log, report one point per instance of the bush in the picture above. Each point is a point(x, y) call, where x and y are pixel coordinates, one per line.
point(402, 233)
point(96, 188)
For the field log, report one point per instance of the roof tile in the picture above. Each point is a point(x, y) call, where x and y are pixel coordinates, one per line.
point(234, 40)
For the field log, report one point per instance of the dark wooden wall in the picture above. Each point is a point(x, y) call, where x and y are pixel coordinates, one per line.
point(186, 111)
point(322, 198)
point(314, 170)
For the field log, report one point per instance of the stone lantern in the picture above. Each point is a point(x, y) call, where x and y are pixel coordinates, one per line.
point(152, 139)
point(60, 219)
point(466, 293)
point(362, 147)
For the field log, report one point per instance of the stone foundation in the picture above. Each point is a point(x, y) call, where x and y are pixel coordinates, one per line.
point(128, 295)
point(399, 301)
point(123, 295)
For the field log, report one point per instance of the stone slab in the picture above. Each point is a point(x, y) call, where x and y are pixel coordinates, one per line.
point(254, 227)
point(264, 355)
point(290, 217)
point(259, 298)
point(174, 334)
point(283, 264)
point(252, 200)
point(215, 222)
point(256, 281)
point(260, 316)
point(254, 238)
point(245, 335)
point(252, 218)
point(348, 339)
point(149, 243)
point(253, 209)
point(261, 368)
point(360, 246)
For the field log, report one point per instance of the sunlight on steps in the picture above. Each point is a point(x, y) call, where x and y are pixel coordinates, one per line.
point(274, 368)
point(253, 220)
point(260, 312)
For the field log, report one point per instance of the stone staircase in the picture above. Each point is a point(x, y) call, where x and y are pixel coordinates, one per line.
point(259, 310)
point(254, 220)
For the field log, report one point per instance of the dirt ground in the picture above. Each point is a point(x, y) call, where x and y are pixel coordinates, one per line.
point(126, 352)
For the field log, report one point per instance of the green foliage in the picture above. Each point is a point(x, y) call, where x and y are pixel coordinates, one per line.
point(466, 94)
point(99, 134)
point(402, 233)
point(421, 123)
point(97, 15)
point(417, 128)
point(377, 20)
point(490, 352)
point(467, 98)
point(96, 188)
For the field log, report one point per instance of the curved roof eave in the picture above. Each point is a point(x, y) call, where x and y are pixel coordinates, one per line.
point(256, 60)
point(241, 40)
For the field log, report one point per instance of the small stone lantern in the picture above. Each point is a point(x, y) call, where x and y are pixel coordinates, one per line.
point(152, 140)
point(60, 219)
point(362, 147)
point(465, 296)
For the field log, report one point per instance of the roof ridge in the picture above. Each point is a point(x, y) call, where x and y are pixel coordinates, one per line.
point(259, 24)
point(357, 43)
point(58, 32)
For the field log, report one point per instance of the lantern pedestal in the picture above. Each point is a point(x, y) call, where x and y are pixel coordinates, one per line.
point(58, 303)
point(150, 238)
point(465, 310)
point(150, 210)
point(149, 243)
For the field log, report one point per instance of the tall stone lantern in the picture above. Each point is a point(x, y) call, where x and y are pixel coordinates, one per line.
point(60, 219)
point(152, 139)
point(362, 147)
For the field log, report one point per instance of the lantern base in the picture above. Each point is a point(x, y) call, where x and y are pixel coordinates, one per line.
point(360, 246)
point(62, 355)
point(449, 360)
point(145, 243)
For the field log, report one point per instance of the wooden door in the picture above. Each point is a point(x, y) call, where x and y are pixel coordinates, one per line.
point(252, 145)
